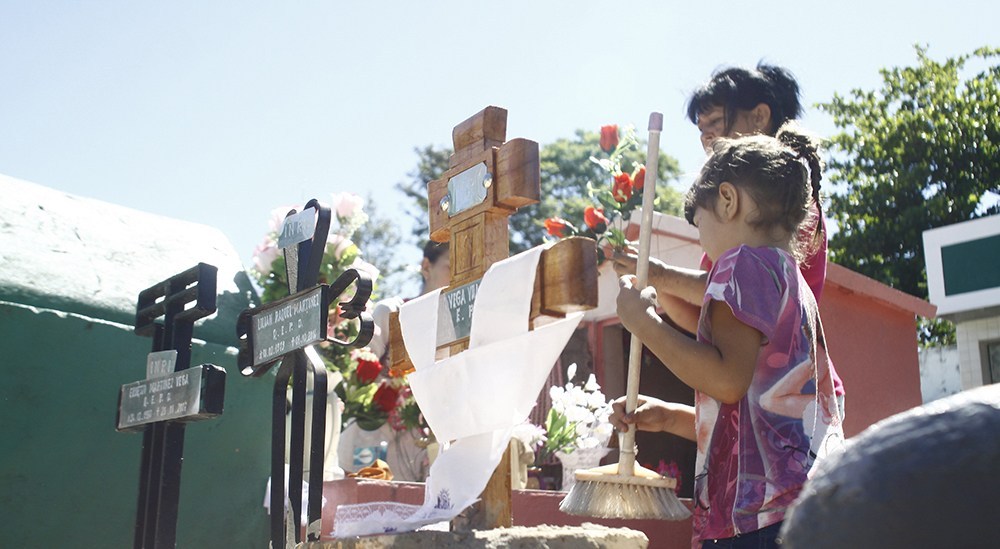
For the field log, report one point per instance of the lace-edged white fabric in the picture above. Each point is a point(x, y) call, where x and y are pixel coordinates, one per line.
point(494, 384)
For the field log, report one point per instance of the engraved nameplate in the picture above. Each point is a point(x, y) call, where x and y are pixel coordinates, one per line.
point(288, 325)
point(178, 396)
point(160, 363)
point(468, 189)
point(297, 228)
point(460, 303)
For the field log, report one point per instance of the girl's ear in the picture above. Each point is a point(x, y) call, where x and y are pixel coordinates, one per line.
point(425, 268)
point(728, 205)
point(760, 118)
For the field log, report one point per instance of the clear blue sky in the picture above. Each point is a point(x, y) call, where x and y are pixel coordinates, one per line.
point(217, 112)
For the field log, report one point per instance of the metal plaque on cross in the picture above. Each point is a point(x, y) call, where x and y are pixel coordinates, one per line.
point(172, 394)
point(283, 333)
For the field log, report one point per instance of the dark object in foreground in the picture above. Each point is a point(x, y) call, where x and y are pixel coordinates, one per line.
point(926, 477)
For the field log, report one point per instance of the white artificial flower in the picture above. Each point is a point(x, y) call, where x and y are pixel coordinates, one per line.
point(595, 400)
point(578, 397)
point(556, 395)
point(578, 414)
point(585, 408)
point(529, 433)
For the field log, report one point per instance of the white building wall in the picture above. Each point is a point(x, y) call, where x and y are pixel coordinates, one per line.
point(940, 372)
point(971, 334)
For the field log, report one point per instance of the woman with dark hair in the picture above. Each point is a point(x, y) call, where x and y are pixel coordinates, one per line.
point(739, 101)
point(735, 102)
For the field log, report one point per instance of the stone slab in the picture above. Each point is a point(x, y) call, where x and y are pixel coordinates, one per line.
point(585, 536)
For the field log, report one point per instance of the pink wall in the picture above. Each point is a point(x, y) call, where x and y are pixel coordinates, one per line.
point(873, 344)
point(872, 335)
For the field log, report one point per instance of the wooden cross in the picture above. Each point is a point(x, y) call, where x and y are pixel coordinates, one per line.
point(284, 332)
point(488, 179)
point(172, 394)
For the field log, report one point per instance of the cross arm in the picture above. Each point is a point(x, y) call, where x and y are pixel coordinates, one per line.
point(565, 282)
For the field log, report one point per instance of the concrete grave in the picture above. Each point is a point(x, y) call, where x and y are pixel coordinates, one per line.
point(70, 270)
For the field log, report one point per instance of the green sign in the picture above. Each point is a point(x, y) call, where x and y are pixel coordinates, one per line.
point(460, 302)
point(290, 324)
point(188, 395)
point(971, 266)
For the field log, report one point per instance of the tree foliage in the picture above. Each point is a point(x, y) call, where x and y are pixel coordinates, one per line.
point(565, 171)
point(920, 152)
point(380, 239)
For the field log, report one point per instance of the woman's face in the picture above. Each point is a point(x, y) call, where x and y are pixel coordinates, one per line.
point(438, 274)
point(712, 125)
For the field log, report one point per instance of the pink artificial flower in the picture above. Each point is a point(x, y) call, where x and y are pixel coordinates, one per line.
point(347, 205)
point(277, 218)
point(264, 255)
point(337, 244)
point(365, 267)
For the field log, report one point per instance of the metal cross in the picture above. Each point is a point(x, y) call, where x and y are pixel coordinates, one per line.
point(284, 332)
point(172, 393)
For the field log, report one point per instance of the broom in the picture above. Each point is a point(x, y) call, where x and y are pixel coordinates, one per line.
point(626, 490)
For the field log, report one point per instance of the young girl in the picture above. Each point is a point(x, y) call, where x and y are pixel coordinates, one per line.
point(764, 400)
point(736, 102)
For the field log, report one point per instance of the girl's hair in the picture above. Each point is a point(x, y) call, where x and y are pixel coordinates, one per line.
point(739, 88)
point(782, 174)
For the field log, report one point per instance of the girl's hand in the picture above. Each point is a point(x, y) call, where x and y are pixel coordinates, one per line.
point(651, 414)
point(624, 261)
point(636, 306)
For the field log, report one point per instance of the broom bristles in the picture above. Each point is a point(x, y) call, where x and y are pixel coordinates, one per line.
point(603, 493)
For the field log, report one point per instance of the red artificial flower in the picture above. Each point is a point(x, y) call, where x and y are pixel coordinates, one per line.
point(609, 137)
point(594, 218)
point(558, 227)
point(385, 397)
point(622, 189)
point(639, 178)
point(368, 370)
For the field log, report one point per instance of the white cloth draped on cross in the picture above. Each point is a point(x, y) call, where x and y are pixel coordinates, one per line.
point(472, 399)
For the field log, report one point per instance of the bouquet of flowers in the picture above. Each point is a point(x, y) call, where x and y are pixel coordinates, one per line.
point(577, 420)
point(369, 397)
point(615, 198)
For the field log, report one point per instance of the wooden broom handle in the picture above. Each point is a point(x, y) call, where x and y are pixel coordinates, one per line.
point(626, 451)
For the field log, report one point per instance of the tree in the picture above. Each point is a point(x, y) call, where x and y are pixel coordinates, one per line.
point(923, 151)
point(379, 239)
point(565, 172)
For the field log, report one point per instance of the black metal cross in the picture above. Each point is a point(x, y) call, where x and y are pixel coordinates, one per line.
point(284, 331)
point(172, 394)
